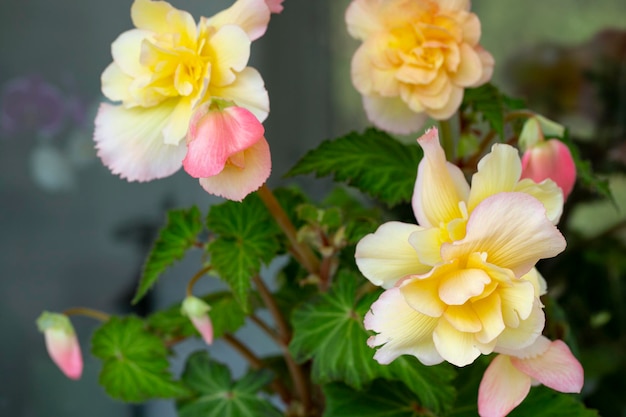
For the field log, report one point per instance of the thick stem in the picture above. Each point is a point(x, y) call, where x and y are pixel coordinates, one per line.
point(195, 279)
point(303, 253)
point(447, 139)
point(87, 312)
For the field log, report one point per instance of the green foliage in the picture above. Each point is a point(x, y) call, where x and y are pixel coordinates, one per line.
point(372, 161)
point(491, 104)
point(174, 240)
point(216, 395)
point(544, 402)
point(584, 171)
point(330, 331)
point(135, 365)
point(246, 236)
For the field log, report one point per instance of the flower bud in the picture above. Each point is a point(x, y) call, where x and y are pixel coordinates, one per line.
point(550, 159)
point(61, 343)
point(197, 311)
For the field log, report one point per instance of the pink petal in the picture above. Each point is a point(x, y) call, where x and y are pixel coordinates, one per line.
point(502, 388)
point(204, 326)
point(275, 6)
point(550, 160)
point(216, 135)
point(236, 182)
point(556, 368)
point(64, 350)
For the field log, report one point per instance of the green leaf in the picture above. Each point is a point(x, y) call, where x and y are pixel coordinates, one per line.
point(226, 315)
point(487, 100)
point(373, 162)
point(246, 237)
point(544, 402)
point(330, 331)
point(585, 173)
point(135, 365)
point(381, 399)
point(173, 242)
point(217, 396)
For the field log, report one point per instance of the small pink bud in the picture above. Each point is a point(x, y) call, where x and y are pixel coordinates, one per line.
point(197, 311)
point(62, 343)
point(275, 6)
point(550, 159)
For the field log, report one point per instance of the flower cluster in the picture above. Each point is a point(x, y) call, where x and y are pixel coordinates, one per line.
point(462, 283)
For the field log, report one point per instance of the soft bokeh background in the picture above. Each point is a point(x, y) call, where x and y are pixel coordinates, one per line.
point(73, 234)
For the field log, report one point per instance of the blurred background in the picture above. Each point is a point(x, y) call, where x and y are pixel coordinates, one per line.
point(73, 234)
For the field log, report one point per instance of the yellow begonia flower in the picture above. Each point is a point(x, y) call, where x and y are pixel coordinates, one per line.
point(416, 59)
point(163, 70)
point(462, 282)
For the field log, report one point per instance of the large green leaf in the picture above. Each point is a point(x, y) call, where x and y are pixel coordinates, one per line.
point(487, 101)
point(135, 365)
point(174, 240)
point(330, 331)
point(217, 396)
point(544, 402)
point(246, 237)
point(373, 161)
point(381, 399)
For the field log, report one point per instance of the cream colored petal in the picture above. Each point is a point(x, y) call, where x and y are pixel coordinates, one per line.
point(470, 69)
point(385, 257)
point(363, 18)
point(453, 103)
point(392, 114)
point(538, 347)
point(248, 91)
point(458, 348)
point(161, 17)
point(471, 29)
point(548, 193)
point(539, 283)
point(115, 83)
point(463, 318)
point(126, 52)
point(252, 16)
point(518, 299)
point(427, 244)
point(487, 63)
point(422, 295)
point(401, 330)
point(459, 286)
point(440, 186)
point(489, 312)
point(497, 171)
point(525, 334)
point(370, 71)
point(502, 388)
point(178, 123)
point(512, 229)
point(230, 48)
point(454, 5)
point(130, 142)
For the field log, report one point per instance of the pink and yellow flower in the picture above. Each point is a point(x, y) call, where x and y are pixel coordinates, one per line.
point(416, 59)
point(198, 312)
point(227, 151)
point(62, 343)
point(463, 282)
point(508, 378)
point(163, 71)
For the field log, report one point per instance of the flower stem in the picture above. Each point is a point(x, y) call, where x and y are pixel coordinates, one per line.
point(87, 312)
point(195, 279)
point(447, 140)
point(303, 253)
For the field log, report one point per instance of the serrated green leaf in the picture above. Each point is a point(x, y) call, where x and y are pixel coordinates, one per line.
point(373, 162)
point(246, 237)
point(217, 396)
point(487, 100)
point(178, 235)
point(226, 315)
point(381, 399)
point(135, 365)
point(544, 402)
point(330, 331)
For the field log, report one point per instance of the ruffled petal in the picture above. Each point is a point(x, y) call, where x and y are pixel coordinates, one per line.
point(130, 142)
point(363, 19)
point(458, 348)
point(502, 388)
point(116, 83)
point(489, 312)
point(525, 334)
point(422, 294)
point(162, 17)
point(236, 182)
point(459, 286)
point(440, 186)
point(512, 229)
point(392, 114)
point(556, 368)
point(470, 68)
point(401, 330)
point(385, 257)
point(252, 16)
point(178, 123)
point(231, 47)
point(247, 91)
point(126, 52)
point(548, 193)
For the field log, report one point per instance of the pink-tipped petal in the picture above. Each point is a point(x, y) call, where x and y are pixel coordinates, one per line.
point(275, 6)
point(216, 135)
point(64, 350)
point(198, 312)
point(502, 388)
point(204, 326)
point(236, 182)
point(556, 368)
point(550, 160)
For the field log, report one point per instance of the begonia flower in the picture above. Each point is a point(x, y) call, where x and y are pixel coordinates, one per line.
point(508, 378)
point(227, 151)
point(163, 71)
point(462, 282)
point(197, 311)
point(416, 59)
point(62, 343)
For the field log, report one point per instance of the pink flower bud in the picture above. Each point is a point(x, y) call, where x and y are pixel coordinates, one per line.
point(550, 159)
point(275, 6)
point(197, 311)
point(61, 343)
point(226, 150)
